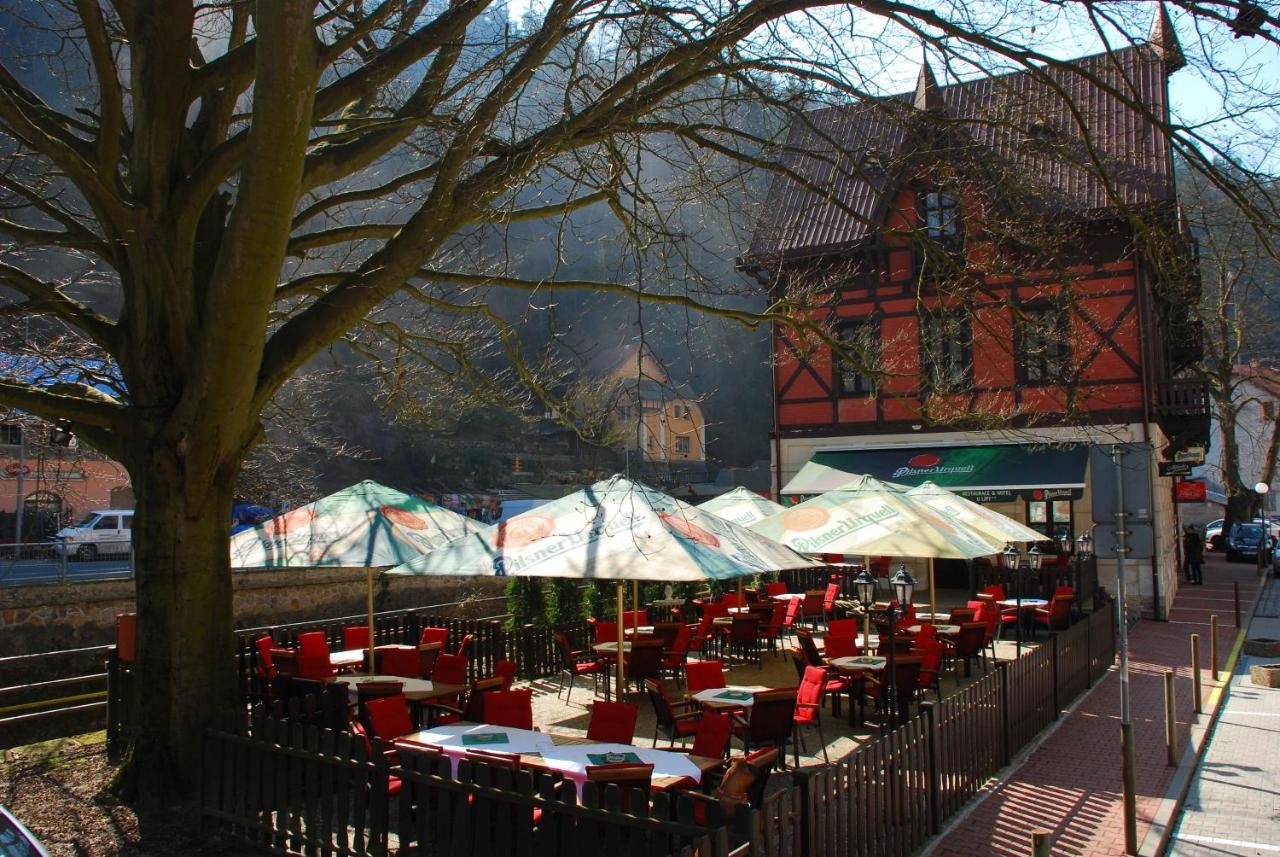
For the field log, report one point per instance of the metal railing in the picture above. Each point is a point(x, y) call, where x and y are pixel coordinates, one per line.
point(59, 562)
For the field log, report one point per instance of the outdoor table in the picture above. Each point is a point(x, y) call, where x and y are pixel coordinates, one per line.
point(722, 620)
point(415, 689)
point(572, 760)
point(458, 738)
point(667, 603)
point(944, 630)
point(610, 649)
point(1028, 608)
point(787, 596)
point(858, 666)
point(734, 696)
point(636, 629)
point(348, 658)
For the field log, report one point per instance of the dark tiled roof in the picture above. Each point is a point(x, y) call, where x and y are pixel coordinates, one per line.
point(1017, 125)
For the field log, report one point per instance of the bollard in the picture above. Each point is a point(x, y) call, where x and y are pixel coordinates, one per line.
point(1170, 724)
point(1213, 647)
point(1235, 584)
point(1041, 843)
point(1195, 672)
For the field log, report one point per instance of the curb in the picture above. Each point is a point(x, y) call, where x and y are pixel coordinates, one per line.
point(1165, 819)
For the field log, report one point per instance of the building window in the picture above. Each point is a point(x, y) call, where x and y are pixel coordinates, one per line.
point(10, 435)
point(1044, 345)
point(946, 351)
point(854, 376)
point(940, 213)
point(682, 444)
point(1051, 517)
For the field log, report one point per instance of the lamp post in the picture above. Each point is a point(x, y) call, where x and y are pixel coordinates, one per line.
point(1079, 550)
point(903, 585)
point(1261, 490)
point(1017, 561)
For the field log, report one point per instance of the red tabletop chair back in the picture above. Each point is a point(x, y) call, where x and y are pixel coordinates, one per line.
point(506, 670)
point(450, 669)
point(511, 708)
point(712, 738)
point(355, 637)
point(606, 632)
point(772, 589)
point(836, 646)
point(612, 722)
point(389, 717)
point(403, 662)
point(843, 628)
point(434, 635)
point(266, 666)
point(703, 675)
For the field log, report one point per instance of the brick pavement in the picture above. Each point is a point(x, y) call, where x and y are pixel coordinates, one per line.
point(1070, 784)
point(1234, 801)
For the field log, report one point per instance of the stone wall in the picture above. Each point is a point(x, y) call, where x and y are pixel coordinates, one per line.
point(47, 617)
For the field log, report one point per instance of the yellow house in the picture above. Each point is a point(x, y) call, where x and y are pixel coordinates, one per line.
point(653, 415)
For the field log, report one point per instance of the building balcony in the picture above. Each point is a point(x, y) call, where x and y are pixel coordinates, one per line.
point(1184, 411)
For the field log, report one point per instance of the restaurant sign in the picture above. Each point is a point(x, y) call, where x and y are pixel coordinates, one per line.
point(1190, 491)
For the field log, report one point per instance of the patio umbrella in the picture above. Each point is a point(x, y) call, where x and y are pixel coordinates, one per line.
point(366, 525)
point(973, 515)
point(614, 530)
point(742, 506)
point(871, 517)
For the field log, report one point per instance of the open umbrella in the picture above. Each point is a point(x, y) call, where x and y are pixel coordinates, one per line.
point(973, 515)
point(871, 517)
point(742, 506)
point(614, 530)
point(366, 525)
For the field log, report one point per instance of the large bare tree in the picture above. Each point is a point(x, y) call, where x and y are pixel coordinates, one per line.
point(204, 195)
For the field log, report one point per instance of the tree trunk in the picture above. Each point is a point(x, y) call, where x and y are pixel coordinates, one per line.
point(186, 670)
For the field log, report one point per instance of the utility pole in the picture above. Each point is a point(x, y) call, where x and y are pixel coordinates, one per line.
point(1128, 773)
point(21, 482)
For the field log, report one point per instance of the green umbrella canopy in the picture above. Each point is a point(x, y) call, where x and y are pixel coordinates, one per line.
point(614, 530)
point(742, 506)
point(366, 525)
point(874, 518)
point(975, 516)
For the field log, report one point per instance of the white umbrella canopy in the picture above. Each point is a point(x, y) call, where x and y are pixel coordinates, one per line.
point(742, 506)
point(973, 515)
point(871, 517)
point(614, 530)
point(364, 525)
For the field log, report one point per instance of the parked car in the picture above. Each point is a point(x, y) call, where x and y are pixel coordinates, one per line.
point(102, 532)
point(1213, 535)
point(16, 840)
point(1245, 540)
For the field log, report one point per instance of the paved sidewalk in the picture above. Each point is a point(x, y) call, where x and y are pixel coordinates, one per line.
point(1234, 801)
point(1070, 785)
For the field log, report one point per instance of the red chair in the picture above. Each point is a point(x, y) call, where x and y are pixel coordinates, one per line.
point(388, 717)
point(467, 640)
point(450, 669)
point(612, 722)
point(995, 592)
point(634, 618)
point(809, 648)
point(808, 709)
point(678, 720)
point(644, 661)
point(843, 628)
point(355, 637)
point(313, 656)
point(770, 722)
point(431, 636)
point(930, 651)
point(678, 652)
point(405, 662)
point(811, 607)
point(731, 599)
point(505, 670)
point(703, 675)
point(606, 632)
point(511, 708)
point(712, 738)
point(574, 664)
point(1067, 591)
point(744, 637)
point(960, 615)
point(840, 647)
point(906, 675)
point(773, 628)
point(1057, 615)
point(266, 665)
point(702, 635)
point(772, 589)
point(829, 601)
point(969, 644)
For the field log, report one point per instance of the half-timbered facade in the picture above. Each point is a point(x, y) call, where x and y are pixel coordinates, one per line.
point(996, 279)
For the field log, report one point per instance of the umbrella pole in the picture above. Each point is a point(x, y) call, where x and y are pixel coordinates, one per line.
point(933, 593)
point(742, 592)
point(621, 593)
point(635, 606)
point(369, 605)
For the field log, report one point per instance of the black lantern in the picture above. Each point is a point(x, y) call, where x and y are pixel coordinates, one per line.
point(865, 585)
point(1011, 557)
point(903, 586)
point(1034, 558)
point(1084, 545)
point(1064, 543)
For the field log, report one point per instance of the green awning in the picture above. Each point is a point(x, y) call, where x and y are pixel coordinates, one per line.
point(983, 473)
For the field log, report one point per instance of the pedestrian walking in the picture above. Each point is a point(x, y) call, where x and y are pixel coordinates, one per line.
point(1193, 555)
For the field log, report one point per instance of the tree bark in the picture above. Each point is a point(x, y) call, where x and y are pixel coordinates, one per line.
point(186, 669)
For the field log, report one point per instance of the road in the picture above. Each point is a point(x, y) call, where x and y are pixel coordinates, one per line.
point(44, 570)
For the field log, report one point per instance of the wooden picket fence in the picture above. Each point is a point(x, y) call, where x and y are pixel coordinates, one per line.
point(889, 796)
point(301, 789)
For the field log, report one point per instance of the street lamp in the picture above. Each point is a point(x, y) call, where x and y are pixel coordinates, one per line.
point(1016, 562)
point(1261, 489)
point(903, 586)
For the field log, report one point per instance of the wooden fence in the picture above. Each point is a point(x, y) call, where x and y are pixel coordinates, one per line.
point(295, 788)
point(889, 796)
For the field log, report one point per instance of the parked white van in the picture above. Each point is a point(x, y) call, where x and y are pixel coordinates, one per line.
point(103, 532)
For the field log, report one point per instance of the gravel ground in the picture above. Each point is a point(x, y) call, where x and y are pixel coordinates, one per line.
point(54, 789)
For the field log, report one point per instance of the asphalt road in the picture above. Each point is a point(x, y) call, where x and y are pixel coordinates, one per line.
point(43, 570)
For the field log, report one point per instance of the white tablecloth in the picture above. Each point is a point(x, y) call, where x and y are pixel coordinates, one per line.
point(712, 694)
point(450, 739)
point(573, 759)
point(863, 662)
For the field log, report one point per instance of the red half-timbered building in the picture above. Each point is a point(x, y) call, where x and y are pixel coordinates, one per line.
point(1004, 270)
